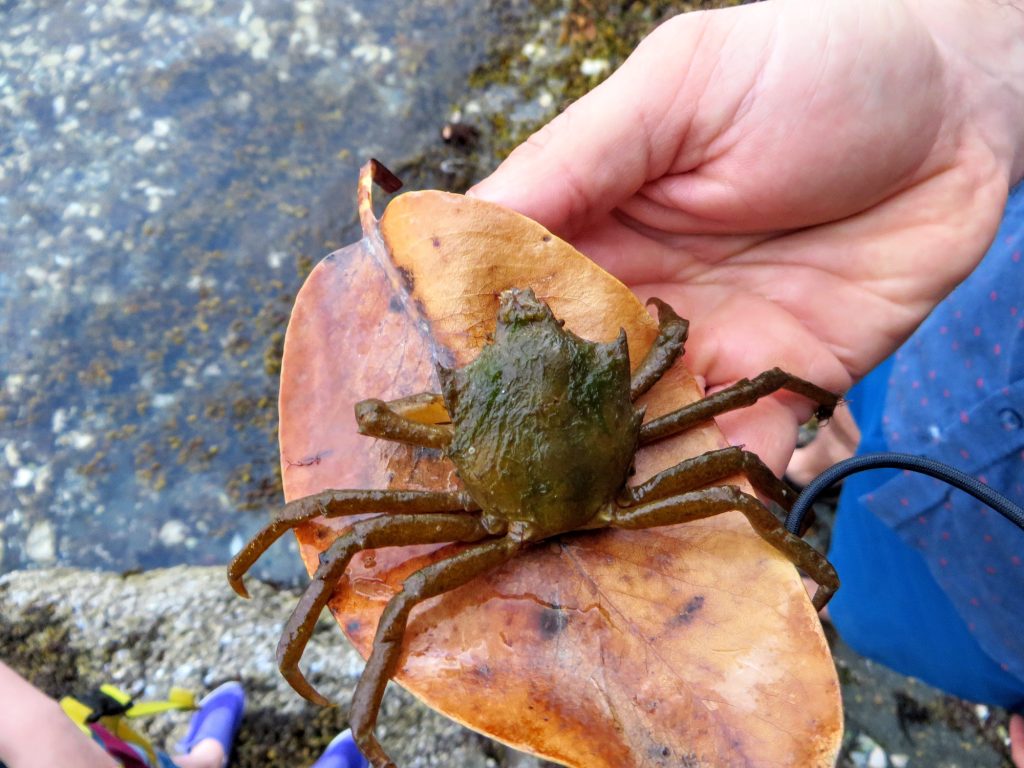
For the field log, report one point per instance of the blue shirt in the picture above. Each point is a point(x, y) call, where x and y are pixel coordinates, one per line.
point(956, 394)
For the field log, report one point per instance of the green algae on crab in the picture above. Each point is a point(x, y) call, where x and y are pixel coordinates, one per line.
point(529, 408)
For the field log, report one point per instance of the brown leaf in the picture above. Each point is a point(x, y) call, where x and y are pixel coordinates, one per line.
point(692, 645)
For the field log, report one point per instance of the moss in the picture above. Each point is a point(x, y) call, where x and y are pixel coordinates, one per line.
point(270, 737)
point(38, 647)
point(602, 30)
point(273, 354)
point(961, 716)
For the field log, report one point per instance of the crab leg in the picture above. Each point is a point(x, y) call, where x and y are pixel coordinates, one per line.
point(341, 504)
point(379, 419)
point(384, 531)
point(432, 580)
point(667, 347)
point(424, 408)
point(708, 469)
point(698, 505)
point(741, 394)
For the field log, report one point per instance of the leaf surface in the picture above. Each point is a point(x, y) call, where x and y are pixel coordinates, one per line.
point(692, 645)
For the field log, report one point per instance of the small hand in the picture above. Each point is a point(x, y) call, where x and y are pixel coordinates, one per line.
point(1017, 740)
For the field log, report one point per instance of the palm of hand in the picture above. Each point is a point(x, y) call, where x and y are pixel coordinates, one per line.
point(806, 203)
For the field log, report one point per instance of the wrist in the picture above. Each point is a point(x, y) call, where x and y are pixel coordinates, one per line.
point(982, 43)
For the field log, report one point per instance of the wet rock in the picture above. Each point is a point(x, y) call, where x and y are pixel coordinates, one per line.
point(66, 628)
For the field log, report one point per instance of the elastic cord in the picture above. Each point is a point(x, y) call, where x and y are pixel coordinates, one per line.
point(907, 461)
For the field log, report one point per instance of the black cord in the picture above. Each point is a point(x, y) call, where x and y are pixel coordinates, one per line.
point(944, 472)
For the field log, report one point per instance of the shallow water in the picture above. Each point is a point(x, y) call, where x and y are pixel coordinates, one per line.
point(168, 174)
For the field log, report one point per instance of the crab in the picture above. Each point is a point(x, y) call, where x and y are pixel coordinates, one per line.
point(542, 430)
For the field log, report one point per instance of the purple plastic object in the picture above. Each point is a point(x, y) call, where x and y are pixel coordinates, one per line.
point(342, 752)
point(218, 717)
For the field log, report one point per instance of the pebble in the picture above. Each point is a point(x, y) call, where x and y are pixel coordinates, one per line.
point(37, 274)
point(59, 420)
point(77, 440)
point(173, 533)
point(867, 753)
point(42, 479)
point(11, 455)
point(73, 211)
point(14, 383)
point(899, 760)
point(370, 54)
point(41, 543)
point(144, 145)
point(534, 51)
point(259, 38)
point(877, 758)
point(239, 102)
point(593, 67)
point(23, 477)
point(163, 399)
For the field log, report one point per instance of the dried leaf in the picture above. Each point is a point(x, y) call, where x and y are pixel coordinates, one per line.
point(692, 645)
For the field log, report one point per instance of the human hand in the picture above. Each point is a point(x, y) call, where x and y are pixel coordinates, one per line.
point(803, 180)
point(1017, 740)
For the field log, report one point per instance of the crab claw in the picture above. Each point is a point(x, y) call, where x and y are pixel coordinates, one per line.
point(235, 579)
point(305, 615)
point(302, 686)
point(295, 636)
point(293, 514)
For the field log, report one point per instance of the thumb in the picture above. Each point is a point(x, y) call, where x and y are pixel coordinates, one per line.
point(606, 145)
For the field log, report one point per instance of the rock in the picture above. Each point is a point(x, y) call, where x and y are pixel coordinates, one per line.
point(71, 630)
point(173, 533)
point(877, 758)
point(145, 144)
point(23, 477)
point(41, 543)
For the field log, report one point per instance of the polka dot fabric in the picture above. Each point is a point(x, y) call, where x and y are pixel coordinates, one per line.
point(956, 394)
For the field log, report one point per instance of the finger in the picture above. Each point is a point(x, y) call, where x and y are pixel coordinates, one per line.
point(768, 428)
point(736, 334)
point(1017, 740)
point(836, 440)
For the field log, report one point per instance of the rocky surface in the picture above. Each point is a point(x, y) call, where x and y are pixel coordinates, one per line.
point(70, 630)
